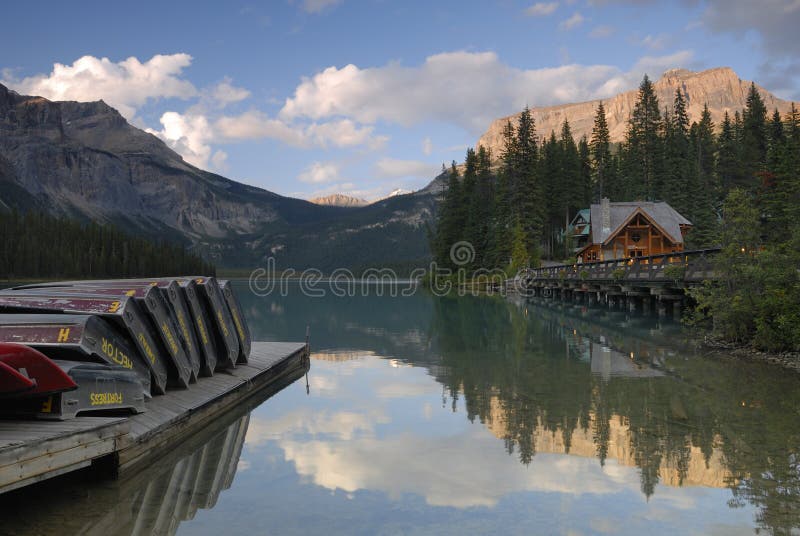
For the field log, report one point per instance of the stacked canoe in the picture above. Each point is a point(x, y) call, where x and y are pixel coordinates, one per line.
point(71, 347)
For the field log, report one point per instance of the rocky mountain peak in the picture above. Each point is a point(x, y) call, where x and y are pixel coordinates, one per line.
point(339, 200)
point(720, 88)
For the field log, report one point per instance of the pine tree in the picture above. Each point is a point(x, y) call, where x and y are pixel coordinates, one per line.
point(480, 208)
point(550, 171)
point(585, 155)
point(499, 252)
point(675, 187)
point(468, 194)
point(451, 219)
point(520, 257)
point(525, 187)
point(728, 161)
point(643, 144)
point(704, 187)
point(571, 197)
point(776, 129)
point(754, 137)
point(601, 153)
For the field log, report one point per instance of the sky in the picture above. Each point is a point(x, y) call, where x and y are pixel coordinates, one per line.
point(312, 97)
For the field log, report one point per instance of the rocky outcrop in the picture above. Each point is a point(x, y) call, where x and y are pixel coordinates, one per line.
point(85, 159)
point(339, 200)
point(720, 88)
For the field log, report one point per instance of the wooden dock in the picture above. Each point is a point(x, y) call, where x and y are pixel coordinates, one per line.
point(644, 284)
point(32, 451)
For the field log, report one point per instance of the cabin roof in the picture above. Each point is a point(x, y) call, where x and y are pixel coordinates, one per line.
point(660, 213)
point(580, 223)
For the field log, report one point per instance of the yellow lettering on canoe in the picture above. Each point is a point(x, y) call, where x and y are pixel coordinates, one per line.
point(222, 323)
point(114, 307)
point(116, 355)
point(47, 405)
point(202, 328)
point(63, 334)
point(131, 293)
point(170, 338)
point(105, 399)
point(146, 347)
point(238, 323)
point(184, 329)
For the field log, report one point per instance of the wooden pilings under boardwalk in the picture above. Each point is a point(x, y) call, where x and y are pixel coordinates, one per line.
point(35, 450)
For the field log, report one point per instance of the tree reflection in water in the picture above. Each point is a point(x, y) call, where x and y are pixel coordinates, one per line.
point(559, 378)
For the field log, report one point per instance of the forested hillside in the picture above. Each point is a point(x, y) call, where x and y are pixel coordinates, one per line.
point(739, 184)
point(35, 245)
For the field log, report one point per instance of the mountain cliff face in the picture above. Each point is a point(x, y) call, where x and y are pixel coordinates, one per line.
point(720, 88)
point(339, 200)
point(84, 160)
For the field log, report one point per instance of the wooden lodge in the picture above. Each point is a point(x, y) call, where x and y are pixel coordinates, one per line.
point(609, 231)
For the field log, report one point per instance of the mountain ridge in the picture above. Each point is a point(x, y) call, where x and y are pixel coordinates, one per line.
point(85, 161)
point(720, 87)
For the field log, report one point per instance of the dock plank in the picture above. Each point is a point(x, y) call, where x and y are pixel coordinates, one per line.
point(31, 451)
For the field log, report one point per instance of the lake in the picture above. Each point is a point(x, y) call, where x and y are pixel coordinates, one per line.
point(453, 415)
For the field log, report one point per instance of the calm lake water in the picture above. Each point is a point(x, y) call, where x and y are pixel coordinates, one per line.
point(469, 415)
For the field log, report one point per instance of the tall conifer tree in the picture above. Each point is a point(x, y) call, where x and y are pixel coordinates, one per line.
point(601, 153)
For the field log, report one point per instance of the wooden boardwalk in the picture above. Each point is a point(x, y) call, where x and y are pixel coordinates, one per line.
point(31, 451)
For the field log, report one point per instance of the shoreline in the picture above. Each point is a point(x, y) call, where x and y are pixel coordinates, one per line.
point(725, 350)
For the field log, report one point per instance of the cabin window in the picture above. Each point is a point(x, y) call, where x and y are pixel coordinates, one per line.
point(593, 256)
point(636, 236)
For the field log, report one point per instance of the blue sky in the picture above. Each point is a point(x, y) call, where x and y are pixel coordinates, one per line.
point(307, 97)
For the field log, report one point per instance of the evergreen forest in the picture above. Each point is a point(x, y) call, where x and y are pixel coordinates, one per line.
point(34, 245)
point(737, 182)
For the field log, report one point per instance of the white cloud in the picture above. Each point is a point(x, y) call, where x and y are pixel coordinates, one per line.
point(318, 6)
point(573, 22)
point(344, 453)
point(540, 9)
point(225, 93)
point(343, 133)
point(190, 136)
point(253, 125)
point(602, 31)
point(320, 173)
point(125, 85)
point(394, 168)
point(427, 146)
point(494, 89)
point(656, 65)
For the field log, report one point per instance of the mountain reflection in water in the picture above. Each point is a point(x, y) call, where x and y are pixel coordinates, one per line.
point(548, 379)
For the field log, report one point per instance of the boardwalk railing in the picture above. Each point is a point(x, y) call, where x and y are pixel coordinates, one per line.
point(697, 266)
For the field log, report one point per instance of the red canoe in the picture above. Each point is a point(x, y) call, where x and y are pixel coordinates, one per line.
point(44, 376)
point(12, 382)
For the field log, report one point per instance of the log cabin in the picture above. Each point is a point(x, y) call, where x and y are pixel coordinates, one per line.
point(628, 230)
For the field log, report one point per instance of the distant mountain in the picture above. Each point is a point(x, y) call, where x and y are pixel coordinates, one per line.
point(720, 88)
point(395, 193)
point(339, 200)
point(85, 161)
